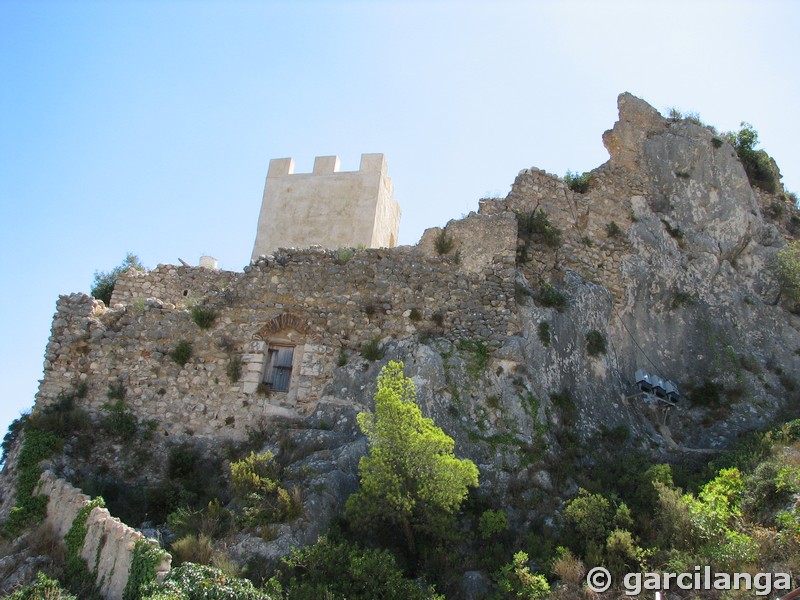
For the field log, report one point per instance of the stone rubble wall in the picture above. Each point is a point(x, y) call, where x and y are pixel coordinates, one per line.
point(109, 543)
point(169, 283)
point(337, 305)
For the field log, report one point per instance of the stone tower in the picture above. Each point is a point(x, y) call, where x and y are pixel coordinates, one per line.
point(327, 207)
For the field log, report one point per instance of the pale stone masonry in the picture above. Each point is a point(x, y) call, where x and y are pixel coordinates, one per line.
point(328, 207)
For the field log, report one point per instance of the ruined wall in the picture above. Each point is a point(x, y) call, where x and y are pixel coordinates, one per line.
point(170, 283)
point(109, 543)
point(328, 306)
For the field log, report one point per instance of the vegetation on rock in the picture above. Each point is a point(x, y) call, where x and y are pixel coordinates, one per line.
point(104, 281)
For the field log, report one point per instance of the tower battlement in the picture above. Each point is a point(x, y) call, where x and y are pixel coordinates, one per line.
point(327, 207)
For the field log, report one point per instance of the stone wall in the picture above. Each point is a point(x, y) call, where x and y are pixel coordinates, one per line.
point(324, 305)
point(169, 283)
point(109, 543)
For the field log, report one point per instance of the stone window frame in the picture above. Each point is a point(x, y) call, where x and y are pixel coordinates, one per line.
point(284, 330)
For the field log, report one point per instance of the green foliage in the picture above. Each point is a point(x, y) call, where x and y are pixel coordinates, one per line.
point(119, 421)
point(787, 269)
point(342, 570)
point(613, 230)
point(477, 357)
point(147, 556)
point(535, 227)
point(234, 368)
point(681, 298)
point(717, 142)
point(342, 359)
point(491, 523)
point(705, 394)
point(515, 580)
point(415, 315)
point(543, 331)
point(589, 519)
point(30, 508)
point(104, 282)
point(595, 343)
point(182, 353)
point(213, 520)
point(410, 475)
point(443, 243)
point(76, 572)
point(757, 163)
point(578, 183)
point(550, 297)
point(373, 350)
point(255, 483)
point(199, 582)
point(43, 589)
point(13, 433)
point(203, 316)
point(344, 255)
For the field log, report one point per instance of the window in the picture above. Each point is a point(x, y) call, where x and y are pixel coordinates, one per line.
point(279, 367)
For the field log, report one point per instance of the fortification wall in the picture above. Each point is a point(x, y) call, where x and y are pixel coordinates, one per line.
point(323, 303)
point(108, 547)
point(169, 283)
point(584, 219)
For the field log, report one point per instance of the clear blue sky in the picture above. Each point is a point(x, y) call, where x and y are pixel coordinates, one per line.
point(147, 127)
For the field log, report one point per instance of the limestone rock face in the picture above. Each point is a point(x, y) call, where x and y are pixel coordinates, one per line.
point(637, 121)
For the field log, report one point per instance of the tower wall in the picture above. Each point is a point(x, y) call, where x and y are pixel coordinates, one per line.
point(327, 207)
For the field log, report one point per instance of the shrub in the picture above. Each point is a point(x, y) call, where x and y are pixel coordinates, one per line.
point(544, 333)
point(415, 315)
point(613, 230)
point(373, 350)
point(492, 522)
point(515, 580)
point(342, 359)
point(344, 570)
point(344, 255)
point(595, 343)
point(203, 316)
point(182, 353)
point(438, 318)
point(536, 227)
point(550, 297)
point(787, 269)
point(43, 588)
point(119, 421)
point(578, 183)
point(477, 356)
point(757, 163)
point(255, 483)
point(717, 142)
point(705, 394)
point(680, 298)
point(104, 282)
point(200, 582)
point(234, 368)
point(443, 242)
point(675, 232)
point(116, 390)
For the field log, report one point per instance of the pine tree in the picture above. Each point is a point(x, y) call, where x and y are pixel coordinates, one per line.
point(410, 475)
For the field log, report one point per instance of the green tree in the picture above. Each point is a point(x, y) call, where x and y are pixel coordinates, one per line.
point(410, 476)
point(515, 580)
point(757, 163)
point(104, 282)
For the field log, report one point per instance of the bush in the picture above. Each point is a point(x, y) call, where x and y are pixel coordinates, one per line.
point(373, 350)
point(43, 589)
point(415, 315)
point(578, 183)
point(199, 582)
point(234, 369)
point(613, 230)
point(550, 297)
point(705, 394)
point(536, 227)
point(757, 163)
point(119, 421)
point(203, 316)
point(443, 242)
point(344, 570)
point(104, 282)
point(344, 255)
point(491, 523)
point(544, 333)
point(595, 343)
point(515, 580)
point(182, 353)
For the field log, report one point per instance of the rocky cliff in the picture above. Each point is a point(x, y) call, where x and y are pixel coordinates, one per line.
point(523, 326)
